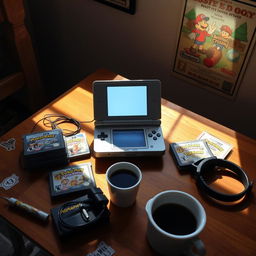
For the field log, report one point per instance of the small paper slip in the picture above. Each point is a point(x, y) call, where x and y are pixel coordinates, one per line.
point(102, 250)
point(219, 148)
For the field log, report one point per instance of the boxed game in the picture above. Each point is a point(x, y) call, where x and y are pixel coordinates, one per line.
point(73, 179)
point(189, 152)
point(44, 143)
point(44, 149)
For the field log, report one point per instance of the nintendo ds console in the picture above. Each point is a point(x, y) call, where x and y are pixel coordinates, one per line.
point(127, 117)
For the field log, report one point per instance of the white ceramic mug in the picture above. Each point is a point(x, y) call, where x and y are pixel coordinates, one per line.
point(170, 244)
point(120, 196)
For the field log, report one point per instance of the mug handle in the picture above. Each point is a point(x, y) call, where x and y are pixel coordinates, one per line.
point(197, 248)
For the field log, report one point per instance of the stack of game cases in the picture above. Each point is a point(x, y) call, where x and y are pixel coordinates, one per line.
point(44, 149)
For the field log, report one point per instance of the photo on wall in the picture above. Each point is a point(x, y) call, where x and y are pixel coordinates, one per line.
point(215, 42)
point(123, 5)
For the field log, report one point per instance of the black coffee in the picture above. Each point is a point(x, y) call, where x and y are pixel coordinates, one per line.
point(175, 219)
point(123, 178)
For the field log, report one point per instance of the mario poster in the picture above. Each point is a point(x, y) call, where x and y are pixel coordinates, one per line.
point(215, 42)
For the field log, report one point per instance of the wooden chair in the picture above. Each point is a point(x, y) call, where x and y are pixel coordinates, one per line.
point(26, 75)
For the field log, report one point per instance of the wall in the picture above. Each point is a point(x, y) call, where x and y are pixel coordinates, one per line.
point(76, 37)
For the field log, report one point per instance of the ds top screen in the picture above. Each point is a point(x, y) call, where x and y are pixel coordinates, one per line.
point(127, 100)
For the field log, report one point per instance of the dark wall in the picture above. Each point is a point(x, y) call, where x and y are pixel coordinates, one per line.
point(74, 38)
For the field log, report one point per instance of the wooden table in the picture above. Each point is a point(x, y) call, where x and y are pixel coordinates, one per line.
point(230, 229)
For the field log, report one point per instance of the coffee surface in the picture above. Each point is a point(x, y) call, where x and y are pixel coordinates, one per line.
point(175, 219)
point(123, 178)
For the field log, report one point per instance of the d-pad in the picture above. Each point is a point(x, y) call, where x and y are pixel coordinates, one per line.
point(102, 136)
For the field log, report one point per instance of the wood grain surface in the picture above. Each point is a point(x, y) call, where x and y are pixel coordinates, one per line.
point(230, 229)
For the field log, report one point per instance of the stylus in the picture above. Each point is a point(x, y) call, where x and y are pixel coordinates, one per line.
point(28, 208)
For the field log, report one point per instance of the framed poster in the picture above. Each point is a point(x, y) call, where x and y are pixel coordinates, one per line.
point(215, 42)
point(124, 5)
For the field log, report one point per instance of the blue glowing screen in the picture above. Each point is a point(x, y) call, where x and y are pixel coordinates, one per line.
point(127, 100)
point(129, 138)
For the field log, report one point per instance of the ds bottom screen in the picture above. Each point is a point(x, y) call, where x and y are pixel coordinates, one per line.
point(129, 138)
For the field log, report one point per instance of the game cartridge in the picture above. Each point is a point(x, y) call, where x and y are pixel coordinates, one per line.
point(77, 146)
point(189, 152)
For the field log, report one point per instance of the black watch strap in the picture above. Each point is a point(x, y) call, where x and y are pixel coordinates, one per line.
point(211, 162)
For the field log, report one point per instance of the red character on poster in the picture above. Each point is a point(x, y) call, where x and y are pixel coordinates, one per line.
point(214, 54)
point(202, 31)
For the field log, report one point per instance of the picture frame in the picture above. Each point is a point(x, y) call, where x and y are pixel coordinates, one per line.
point(123, 5)
point(217, 64)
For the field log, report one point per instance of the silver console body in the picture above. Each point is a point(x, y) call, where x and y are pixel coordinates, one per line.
point(127, 126)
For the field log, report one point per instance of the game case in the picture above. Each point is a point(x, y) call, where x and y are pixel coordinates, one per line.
point(189, 152)
point(44, 149)
point(43, 142)
point(73, 179)
point(219, 148)
point(77, 146)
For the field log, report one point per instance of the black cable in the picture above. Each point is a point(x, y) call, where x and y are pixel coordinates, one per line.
point(54, 120)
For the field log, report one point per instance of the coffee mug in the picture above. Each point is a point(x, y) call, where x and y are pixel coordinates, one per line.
point(175, 219)
point(123, 180)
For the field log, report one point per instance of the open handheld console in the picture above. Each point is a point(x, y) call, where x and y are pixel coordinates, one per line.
point(127, 117)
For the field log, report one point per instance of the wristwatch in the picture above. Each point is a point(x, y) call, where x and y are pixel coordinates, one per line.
point(211, 163)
